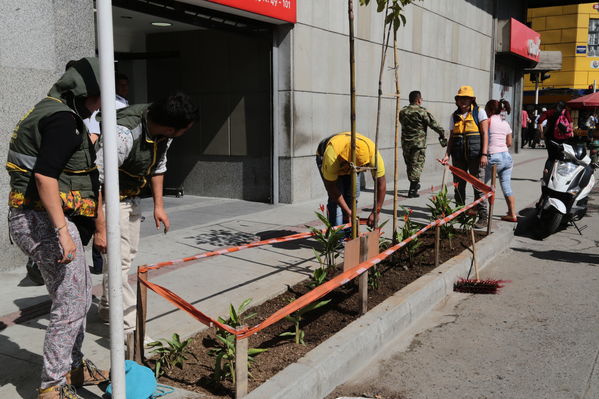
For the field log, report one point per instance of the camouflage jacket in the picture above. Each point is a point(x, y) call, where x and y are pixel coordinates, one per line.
point(414, 122)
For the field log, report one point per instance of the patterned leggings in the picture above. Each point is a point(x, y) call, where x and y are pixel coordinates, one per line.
point(69, 286)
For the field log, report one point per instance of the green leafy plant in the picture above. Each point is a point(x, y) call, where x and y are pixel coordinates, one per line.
point(409, 228)
point(395, 11)
point(171, 353)
point(318, 277)
point(441, 206)
point(297, 317)
point(330, 242)
point(374, 277)
point(225, 352)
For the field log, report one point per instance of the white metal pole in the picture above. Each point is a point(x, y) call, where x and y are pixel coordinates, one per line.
point(111, 196)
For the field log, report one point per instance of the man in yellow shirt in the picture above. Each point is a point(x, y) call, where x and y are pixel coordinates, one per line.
point(333, 160)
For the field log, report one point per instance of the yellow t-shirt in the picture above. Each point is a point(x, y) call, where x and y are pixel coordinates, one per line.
point(337, 153)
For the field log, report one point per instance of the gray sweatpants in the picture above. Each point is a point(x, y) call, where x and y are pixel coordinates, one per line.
point(69, 286)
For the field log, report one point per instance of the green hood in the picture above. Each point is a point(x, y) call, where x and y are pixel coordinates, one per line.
point(81, 80)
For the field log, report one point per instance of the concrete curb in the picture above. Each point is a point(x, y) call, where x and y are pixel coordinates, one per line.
point(332, 362)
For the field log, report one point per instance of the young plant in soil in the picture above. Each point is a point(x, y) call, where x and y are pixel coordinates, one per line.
point(171, 353)
point(297, 317)
point(440, 207)
point(318, 277)
point(329, 240)
point(409, 228)
point(224, 354)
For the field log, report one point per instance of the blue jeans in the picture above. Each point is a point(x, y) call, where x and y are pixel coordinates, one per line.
point(503, 162)
point(334, 211)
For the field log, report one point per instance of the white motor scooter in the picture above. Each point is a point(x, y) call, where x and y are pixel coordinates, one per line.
point(565, 189)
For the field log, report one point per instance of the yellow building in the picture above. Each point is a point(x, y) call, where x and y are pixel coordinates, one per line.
point(573, 30)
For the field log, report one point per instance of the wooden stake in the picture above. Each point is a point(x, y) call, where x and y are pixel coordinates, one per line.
point(363, 279)
point(437, 245)
point(438, 228)
point(141, 313)
point(492, 199)
point(474, 254)
point(241, 367)
point(130, 346)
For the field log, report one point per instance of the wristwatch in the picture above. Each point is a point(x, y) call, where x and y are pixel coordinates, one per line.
point(485, 155)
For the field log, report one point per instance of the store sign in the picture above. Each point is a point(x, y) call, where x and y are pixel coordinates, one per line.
point(594, 64)
point(596, 7)
point(581, 49)
point(279, 9)
point(524, 41)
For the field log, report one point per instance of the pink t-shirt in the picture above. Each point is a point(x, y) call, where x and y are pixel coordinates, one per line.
point(498, 130)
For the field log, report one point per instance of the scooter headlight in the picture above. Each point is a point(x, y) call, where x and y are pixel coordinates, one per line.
point(566, 168)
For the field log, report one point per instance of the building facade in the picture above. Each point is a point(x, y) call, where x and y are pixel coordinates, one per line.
point(574, 31)
point(271, 79)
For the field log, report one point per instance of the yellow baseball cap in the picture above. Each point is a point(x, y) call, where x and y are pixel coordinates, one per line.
point(363, 153)
point(466, 91)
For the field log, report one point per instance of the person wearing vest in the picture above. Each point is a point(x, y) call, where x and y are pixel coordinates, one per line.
point(53, 189)
point(144, 134)
point(468, 144)
point(332, 159)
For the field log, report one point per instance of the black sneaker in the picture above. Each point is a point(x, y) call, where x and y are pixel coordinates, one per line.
point(482, 222)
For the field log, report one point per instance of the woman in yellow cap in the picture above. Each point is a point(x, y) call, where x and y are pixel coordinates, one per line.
point(332, 159)
point(468, 146)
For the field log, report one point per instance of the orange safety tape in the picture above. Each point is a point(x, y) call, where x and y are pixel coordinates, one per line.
point(307, 298)
point(229, 250)
point(185, 306)
point(310, 296)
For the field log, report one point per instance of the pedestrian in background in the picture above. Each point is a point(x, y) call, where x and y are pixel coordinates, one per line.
point(500, 139)
point(415, 120)
point(468, 146)
point(524, 131)
point(54, 188)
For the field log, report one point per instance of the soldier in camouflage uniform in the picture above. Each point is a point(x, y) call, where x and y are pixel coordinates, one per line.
point(415, 119)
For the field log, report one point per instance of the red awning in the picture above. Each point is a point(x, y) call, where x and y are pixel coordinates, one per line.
point(588, 101)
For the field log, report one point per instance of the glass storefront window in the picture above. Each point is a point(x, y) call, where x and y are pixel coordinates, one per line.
point(593, 45)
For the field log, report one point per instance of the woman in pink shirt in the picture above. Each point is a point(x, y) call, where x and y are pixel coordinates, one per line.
point(500, 138)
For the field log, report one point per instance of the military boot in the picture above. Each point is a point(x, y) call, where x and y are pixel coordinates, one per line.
point(58, 392)
point(413, 191)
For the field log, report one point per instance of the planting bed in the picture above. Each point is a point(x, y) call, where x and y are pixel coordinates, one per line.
point(320, 324)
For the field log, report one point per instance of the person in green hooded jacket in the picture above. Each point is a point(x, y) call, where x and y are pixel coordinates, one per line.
point(53, 191)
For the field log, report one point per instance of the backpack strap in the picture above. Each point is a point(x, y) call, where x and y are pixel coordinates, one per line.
point(475, 117)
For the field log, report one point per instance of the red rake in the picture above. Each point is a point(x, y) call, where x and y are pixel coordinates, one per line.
point(477, 286)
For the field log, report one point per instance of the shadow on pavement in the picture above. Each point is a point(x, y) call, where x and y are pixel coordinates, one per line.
point(562, 256)
point(16, 361)
point(224, 238)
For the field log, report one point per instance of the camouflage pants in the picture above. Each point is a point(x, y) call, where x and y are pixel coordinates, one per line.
point(69, 286)
point(414, 154)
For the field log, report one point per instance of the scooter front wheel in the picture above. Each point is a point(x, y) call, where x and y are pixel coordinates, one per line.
point(550, 221)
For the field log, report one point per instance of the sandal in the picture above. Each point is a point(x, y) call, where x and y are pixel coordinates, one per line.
point(508, 218)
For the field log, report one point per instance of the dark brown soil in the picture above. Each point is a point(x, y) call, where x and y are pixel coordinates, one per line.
point(396, 273)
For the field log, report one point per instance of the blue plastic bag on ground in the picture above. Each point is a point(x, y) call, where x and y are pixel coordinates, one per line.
point(140, 380)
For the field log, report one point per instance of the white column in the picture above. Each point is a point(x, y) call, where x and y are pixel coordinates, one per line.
point(111, 199)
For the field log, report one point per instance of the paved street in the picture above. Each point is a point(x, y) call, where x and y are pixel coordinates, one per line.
point(201, 224)
point(537, 339)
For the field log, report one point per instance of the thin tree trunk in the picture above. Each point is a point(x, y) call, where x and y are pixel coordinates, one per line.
point(396, 144)
point(352, 95)
point(385, 43)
